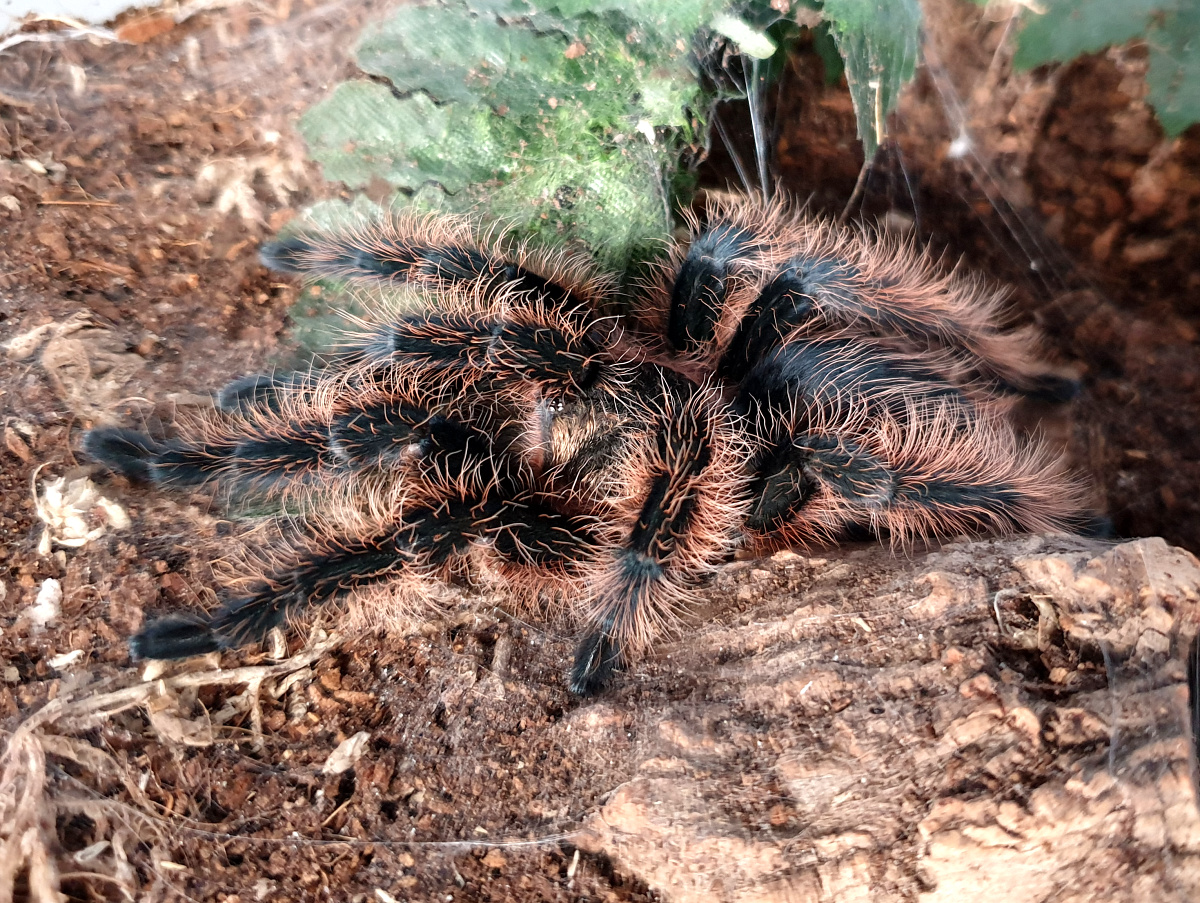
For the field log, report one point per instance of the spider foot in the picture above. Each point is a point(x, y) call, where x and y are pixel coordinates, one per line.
point(126, 452)
point(175, 636)
point(596, 658)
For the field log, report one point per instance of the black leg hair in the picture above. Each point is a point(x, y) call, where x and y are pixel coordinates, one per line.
point(531, 532)
point(681, 517)
point(598, 656)
point(262, 391)
point(126, 452)
point(372, 425)
point(260, 458)
point(502, 353)
point(322, 571)
point(818, 293)
point(790, 470)
point(833, 373)
point(968, 475)
point(279, 455)
point(777, 310)
point(825, 278)
point(180, 635)
point(318, 257)
point(434, 251)
point(523, 531)
point(391, 427)
point(171, 463)
point(939, 470)
point(541, 552)
point(699, 293)
point(388, 433)
point(324, 575)
point(540, 353)
point(438, 343)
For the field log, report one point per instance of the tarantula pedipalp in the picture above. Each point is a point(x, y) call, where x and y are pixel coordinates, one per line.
point(782, 381)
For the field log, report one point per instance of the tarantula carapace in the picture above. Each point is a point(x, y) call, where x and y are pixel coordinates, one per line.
point(780, 381)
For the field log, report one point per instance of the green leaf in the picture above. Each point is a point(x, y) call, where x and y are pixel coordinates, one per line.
point(333, 215)
point(1171, 28)
point(616, 205)
point(565, 120)
point(1070, 28)
point(879, 41)
point(673, 17)
point(567, 124)
point(362, 132)
point(1174, 74)
point(826, 48)
point(354, 133)
point(749, 40)
point(454, 56)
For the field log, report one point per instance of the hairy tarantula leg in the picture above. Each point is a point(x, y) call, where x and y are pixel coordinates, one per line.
point(699, 293)
point(1040, 386)
point(382, 433)
point(530, 532)
point(327, 572)
point(679, 519)
point(322, 571)
point(268, 392)
point(597, 657)
point(166, 462)
point(558, 359)
point(377, 434)
point(788, 471)
point(410, 250)
point(256, 459)
point(523, 530)
point(538, 549)
point(832, 373)
point(787, 301)
point(525, 347)
point(127, 452)
point(823, 276)
point(180, 635)
point(443, 449)
point(939, 471)
point(326, 429)
point(807, 289)
point(956, 475)
point(443, 343)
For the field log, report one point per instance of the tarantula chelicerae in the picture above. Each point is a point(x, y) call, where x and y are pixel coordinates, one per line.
point(782, 381)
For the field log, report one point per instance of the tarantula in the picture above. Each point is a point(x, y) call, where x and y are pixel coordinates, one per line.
point(779, 381)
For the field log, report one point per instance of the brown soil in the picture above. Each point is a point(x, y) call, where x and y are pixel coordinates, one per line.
point(136, 183)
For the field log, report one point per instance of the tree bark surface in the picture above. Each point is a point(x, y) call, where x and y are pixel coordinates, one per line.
point(1008, 718)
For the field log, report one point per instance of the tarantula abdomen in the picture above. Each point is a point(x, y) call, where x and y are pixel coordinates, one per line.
point(782, 381)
